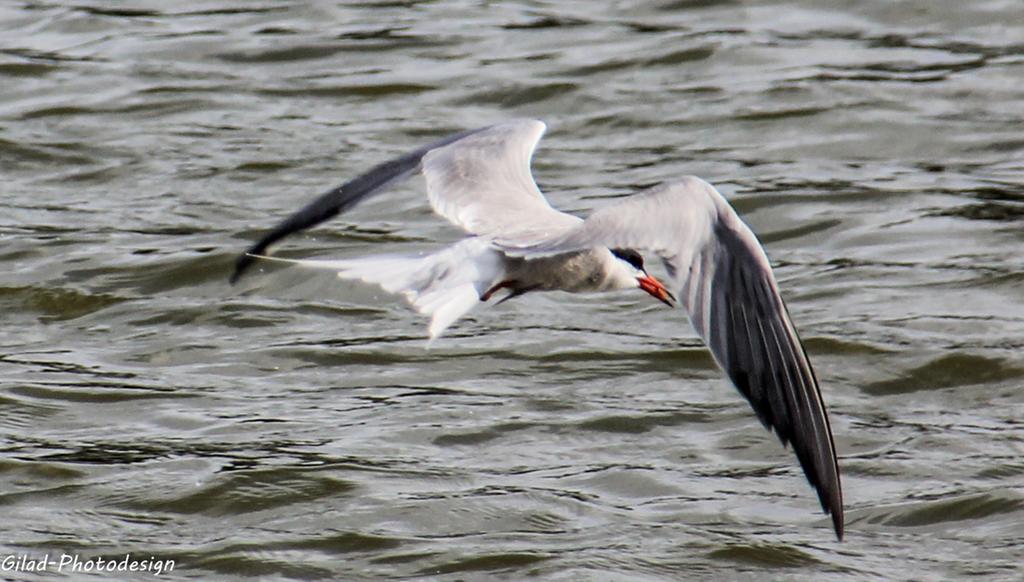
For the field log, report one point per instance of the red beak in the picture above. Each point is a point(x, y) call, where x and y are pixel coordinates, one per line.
point(656, 289)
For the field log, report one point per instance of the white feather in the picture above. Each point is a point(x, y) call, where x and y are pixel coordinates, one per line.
point(443, 286)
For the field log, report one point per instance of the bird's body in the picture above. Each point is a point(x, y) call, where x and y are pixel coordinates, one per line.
point(480, 180)
point(592, 270)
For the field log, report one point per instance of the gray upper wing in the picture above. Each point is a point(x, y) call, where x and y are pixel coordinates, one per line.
point(719, 271)
point(734, 304)
point(479, 179)
point(329, 204)
point(673, 220)
point(483, 184)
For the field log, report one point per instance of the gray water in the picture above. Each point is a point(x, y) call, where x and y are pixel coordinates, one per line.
point(294, 427)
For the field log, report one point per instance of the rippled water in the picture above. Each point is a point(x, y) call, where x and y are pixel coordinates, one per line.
point(293, 427)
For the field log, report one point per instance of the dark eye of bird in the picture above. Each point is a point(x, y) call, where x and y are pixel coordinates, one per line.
point(630, 256)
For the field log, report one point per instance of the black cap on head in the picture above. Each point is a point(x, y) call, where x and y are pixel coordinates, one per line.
point(630, 256)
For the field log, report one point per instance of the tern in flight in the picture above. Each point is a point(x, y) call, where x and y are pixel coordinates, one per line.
point(480, 180)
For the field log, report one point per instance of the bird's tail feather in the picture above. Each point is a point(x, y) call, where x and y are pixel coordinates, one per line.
point(443, 286)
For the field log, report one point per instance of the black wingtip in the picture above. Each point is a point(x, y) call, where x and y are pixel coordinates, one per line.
point(246, 259)
point(241, 266)
point(828, 488)
point(837, 522)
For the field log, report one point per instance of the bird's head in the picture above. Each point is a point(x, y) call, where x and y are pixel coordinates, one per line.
point(644, 281)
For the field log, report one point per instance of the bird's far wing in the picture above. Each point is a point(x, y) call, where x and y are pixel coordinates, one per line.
point(479, 179)
point(483, 184)
point(721, 274)
point(344, 197)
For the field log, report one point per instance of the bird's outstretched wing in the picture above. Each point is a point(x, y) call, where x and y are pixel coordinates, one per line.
point(479, 179)
point(483, 184)
point(720, 273)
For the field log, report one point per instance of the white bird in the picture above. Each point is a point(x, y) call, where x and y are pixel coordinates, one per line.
point(480, 180)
